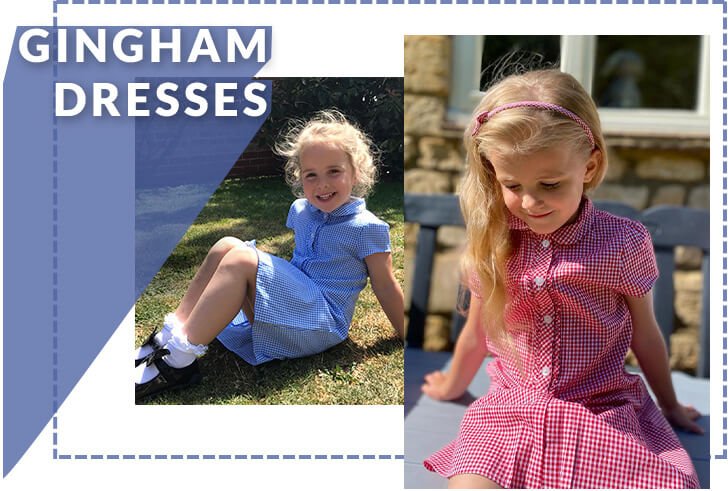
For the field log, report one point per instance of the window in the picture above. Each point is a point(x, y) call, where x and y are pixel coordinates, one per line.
point(643, 85)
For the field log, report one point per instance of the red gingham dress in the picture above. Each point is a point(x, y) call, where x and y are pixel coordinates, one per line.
point(576, 419)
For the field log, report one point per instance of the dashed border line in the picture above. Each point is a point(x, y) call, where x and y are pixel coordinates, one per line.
point(724, 370)
point(57, 456)
point(54, 232)
point(388, 2)
point(182, 456)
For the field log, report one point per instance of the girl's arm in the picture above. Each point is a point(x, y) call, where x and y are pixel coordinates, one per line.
point(386, 289)
point(651, 352)
point(470, 350)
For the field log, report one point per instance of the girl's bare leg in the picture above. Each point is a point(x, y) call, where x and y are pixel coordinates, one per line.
point(230, 288)
point(224, 283)
point(471, 481)
point(204, 275)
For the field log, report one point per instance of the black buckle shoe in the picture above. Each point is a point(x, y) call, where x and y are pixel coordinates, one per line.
point(168, 378)
point(151, 342)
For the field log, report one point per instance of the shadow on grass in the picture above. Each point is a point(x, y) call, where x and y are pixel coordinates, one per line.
point(226, 377)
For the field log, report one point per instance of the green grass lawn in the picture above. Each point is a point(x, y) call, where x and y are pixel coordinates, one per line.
point(367, 368)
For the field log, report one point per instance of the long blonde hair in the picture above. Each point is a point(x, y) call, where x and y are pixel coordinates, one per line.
point(515, 132)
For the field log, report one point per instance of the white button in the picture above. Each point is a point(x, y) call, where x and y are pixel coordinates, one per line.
point(545, 371)
point(545, 243)
point(539, 280)
point(547, 319)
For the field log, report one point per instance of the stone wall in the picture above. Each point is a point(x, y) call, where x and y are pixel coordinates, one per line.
point(642, 172)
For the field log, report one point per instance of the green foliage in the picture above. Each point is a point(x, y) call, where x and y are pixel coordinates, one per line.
point(374, 104)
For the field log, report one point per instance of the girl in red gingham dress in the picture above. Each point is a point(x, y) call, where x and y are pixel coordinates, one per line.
point(560, 290)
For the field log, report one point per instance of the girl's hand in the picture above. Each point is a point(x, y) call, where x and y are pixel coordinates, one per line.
point(684, 417)
point(439, 386)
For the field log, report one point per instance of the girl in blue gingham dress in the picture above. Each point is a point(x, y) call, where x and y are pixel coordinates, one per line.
point(262, 307)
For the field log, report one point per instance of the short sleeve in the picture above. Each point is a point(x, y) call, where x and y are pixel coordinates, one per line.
point(639, 267)
point(374, 238)
point(292, 214)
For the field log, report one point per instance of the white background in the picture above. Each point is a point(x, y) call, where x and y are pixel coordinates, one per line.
point(308, 40)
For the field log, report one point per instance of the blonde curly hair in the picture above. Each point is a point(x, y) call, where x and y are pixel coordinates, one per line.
point(331, 127)
point(516, 132)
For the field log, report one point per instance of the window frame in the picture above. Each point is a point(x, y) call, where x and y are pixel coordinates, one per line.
point(578, 54)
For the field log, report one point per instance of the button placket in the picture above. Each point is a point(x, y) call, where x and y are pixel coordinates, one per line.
point(312, 237)
point(540, 265)
point(316, 229)
point(547, 345)
point(544, 319)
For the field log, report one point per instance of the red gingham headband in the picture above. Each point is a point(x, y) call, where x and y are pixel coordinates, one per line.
point(486, 115)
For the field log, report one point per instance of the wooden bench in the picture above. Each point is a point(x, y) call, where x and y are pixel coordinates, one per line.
point(431, 424)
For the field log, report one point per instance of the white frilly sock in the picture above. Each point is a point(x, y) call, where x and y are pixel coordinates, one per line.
point(181, 354)
point(181, 351)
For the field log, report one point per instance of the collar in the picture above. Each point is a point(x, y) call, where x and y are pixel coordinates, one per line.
point(568, 234)
point(353, 207)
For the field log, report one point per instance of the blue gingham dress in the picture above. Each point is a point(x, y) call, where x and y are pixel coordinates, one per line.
point(305, 306)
